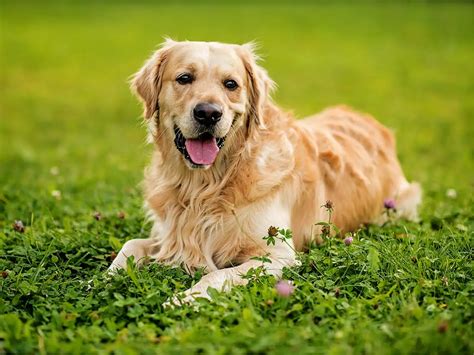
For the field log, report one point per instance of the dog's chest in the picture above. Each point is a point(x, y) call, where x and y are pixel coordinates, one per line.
point(204, 224)
point(208, 233)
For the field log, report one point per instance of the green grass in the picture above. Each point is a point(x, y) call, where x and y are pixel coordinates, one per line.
point(64, 102)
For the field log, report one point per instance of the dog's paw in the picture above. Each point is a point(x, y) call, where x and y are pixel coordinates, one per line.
point(188, 297)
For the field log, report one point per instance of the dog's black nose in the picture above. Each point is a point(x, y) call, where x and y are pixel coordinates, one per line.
point(207, 114)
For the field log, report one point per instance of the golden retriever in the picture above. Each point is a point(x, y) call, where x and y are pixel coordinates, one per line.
point(228, 163)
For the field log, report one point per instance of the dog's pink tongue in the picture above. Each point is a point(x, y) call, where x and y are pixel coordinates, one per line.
point(202, 151)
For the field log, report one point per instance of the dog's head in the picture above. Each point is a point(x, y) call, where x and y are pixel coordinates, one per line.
point(199, 94)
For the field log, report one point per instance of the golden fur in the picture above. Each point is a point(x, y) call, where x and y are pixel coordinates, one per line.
point(272, 170)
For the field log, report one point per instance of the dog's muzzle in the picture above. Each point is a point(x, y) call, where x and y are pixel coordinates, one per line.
point(201, 151)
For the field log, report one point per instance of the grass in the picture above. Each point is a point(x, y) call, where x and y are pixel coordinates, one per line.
point(69, 124)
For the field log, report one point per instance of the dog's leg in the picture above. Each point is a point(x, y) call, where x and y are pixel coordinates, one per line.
point(138, 248)
point(281, 255)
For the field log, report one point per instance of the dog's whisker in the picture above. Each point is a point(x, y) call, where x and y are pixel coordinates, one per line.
point(157, 138)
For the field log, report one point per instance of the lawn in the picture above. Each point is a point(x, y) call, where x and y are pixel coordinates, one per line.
point(72, 153)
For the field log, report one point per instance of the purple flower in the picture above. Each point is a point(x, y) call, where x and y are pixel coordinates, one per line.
point(328, 205)
point(272, 231)
point(348, 241)
point(389, 204)
point(284, 288)
point(18, 226)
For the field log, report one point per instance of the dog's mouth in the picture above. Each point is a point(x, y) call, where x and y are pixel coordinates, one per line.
point(200, 151)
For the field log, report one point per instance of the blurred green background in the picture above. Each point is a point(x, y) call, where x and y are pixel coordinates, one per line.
point(72, 143)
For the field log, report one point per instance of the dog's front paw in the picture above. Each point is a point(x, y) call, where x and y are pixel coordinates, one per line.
point(188, 297)
point(216, 281)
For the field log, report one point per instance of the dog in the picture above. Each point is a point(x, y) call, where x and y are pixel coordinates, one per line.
point(228, 164)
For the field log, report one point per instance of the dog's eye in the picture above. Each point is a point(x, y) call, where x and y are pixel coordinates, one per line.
point(230, 84)
point(184, 78)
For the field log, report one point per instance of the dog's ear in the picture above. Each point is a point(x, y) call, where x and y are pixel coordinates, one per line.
point(260, 85)
point(146, 83)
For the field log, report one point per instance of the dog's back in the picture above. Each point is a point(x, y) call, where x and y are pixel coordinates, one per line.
point(357, 161)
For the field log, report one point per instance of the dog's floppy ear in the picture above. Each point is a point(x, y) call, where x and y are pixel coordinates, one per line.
point(146, 83)
point(259, 85)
